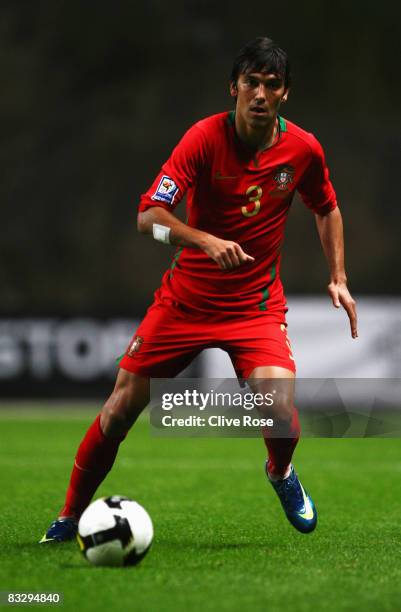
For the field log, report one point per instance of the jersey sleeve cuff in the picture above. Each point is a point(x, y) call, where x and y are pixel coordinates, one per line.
point(145, 204)
point(324, 210)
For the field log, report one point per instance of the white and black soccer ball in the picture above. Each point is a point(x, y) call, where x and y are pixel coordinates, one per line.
point(115, 531)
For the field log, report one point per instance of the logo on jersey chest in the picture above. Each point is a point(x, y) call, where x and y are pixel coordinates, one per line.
point(284, 176)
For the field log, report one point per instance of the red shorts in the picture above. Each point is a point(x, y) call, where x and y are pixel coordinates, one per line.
point(172, 335)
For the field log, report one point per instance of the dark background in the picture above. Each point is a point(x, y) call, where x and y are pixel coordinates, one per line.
point(95, 95)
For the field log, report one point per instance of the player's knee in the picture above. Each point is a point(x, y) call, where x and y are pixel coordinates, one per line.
point(123, 406)
point(281, 409)
point(284, 408)
point(114, 421)
point(279, 403)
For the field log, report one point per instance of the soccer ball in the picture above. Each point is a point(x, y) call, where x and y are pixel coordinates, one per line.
point(115, 531)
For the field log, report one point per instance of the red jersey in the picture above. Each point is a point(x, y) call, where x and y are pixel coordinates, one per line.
point(239, 195)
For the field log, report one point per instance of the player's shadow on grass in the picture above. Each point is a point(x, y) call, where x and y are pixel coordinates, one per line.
point(49, 549)
point(212, 546)
point(49, 546)
point(81, 565)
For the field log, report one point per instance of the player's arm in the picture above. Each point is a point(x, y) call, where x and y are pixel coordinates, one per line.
point(167, 228)
point(156, 217)
point(330, 229)
point(318, 194)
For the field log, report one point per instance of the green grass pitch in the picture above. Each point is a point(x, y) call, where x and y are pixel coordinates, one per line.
point(221, 539)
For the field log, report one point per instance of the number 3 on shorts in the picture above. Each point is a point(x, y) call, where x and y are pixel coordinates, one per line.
point(254, 193)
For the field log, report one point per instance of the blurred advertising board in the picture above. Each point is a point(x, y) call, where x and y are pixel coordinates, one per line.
point(76, 357)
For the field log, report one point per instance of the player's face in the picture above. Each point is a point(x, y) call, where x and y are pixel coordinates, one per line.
point(259, 95)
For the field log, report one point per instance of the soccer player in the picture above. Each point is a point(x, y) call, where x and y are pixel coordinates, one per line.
point(240, 171)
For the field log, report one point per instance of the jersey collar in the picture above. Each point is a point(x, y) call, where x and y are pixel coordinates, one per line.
point(282, 125)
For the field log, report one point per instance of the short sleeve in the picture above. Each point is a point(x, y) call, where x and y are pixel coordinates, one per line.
point(315, 187)
point(178, 173)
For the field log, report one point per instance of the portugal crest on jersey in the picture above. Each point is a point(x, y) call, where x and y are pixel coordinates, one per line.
point(135, 346)
point(284, 176)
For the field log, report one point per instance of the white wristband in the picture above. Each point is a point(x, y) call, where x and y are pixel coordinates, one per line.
point(161, 233)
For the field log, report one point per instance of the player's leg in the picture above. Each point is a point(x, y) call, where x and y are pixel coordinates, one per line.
point(281, 442)
point(283, 438)
point(165, 343)
point(261, 353)
point(98, 450)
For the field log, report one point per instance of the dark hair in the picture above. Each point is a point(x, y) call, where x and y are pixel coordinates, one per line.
point(261, 55)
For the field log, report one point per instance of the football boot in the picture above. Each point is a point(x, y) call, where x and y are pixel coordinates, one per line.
point(61, 530)
point(297, 504)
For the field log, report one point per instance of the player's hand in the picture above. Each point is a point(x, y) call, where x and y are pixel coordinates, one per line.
point(341, 297)
point(225, 253)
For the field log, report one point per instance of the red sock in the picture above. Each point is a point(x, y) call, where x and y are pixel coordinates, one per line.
point(280, 450)
point(94, 459)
